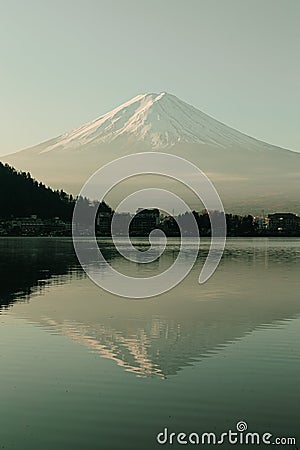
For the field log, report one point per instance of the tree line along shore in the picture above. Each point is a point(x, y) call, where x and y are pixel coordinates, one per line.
point(30, 208)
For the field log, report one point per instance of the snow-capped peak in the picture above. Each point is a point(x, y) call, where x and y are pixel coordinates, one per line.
point(158, 120)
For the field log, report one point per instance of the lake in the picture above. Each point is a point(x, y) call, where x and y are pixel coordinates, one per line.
point(83, 369)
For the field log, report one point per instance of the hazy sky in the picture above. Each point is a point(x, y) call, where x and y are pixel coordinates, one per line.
point(65, 62)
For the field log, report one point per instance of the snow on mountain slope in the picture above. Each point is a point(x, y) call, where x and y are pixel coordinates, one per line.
point(157, 120)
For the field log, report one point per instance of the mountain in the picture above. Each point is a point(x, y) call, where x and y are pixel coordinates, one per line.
point(249, 174)
point(156, 120)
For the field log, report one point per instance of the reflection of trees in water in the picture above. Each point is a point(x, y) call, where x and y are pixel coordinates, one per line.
point(29, 265)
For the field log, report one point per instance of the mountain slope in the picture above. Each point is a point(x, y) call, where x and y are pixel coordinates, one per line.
point(250, 174)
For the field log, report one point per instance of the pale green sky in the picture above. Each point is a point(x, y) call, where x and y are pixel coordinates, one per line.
point(65, 62)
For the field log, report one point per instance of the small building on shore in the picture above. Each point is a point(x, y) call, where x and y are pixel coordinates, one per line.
point(144, 221)
point(284, 223)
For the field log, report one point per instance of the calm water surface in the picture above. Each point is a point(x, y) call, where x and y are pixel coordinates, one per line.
point(82, 369)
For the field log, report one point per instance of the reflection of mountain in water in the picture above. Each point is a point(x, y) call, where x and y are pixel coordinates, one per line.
point(254, 287)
